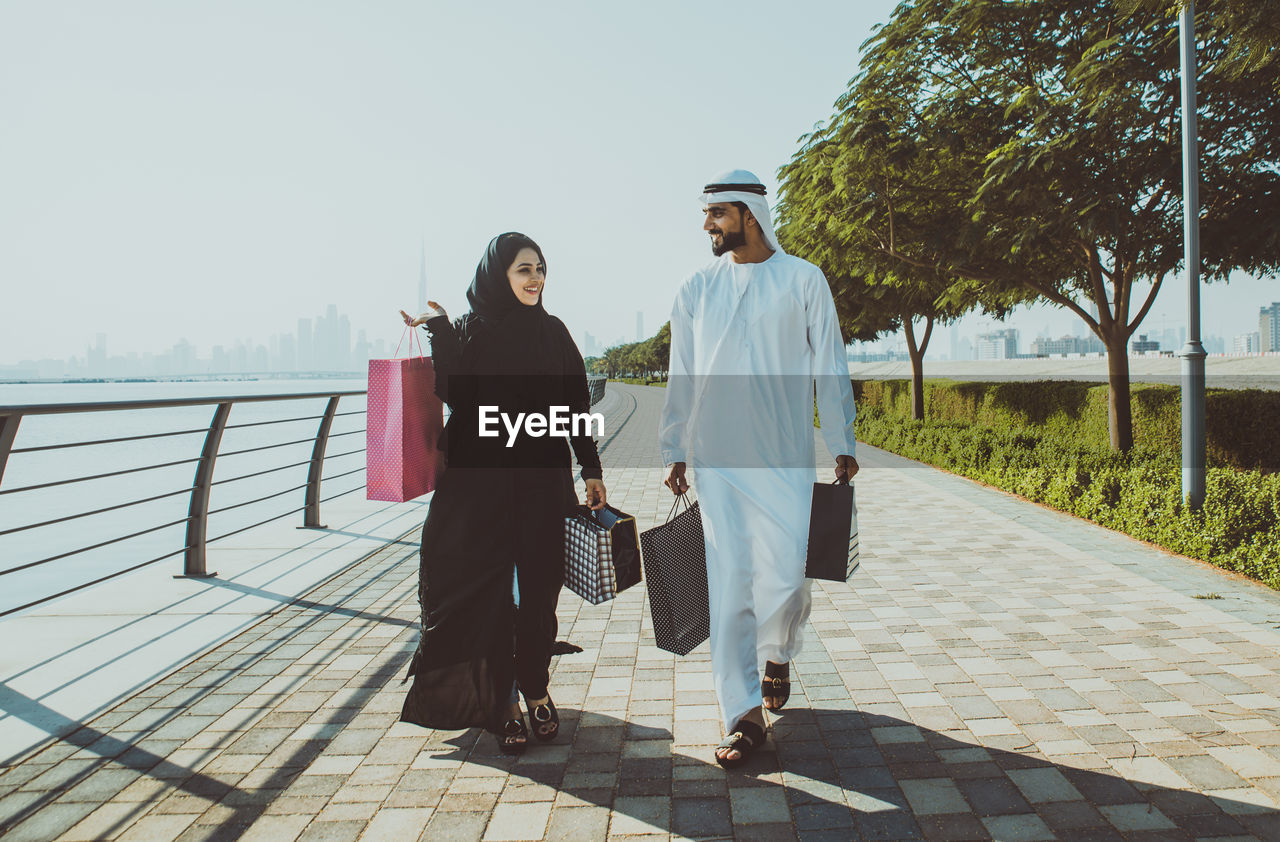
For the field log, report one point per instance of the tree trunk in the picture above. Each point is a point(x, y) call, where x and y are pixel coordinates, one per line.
point(1119, 413)
point(917, 386)
point(916, 352)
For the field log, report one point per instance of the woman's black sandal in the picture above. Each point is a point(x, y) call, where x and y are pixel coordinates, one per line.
point(777, 687)
point(745, 738)
point(507, 736)
point(543, 715)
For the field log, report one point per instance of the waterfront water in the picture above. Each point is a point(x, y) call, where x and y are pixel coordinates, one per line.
point(23, 469)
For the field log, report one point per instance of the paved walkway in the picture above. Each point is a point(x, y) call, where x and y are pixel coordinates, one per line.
point(997, 671)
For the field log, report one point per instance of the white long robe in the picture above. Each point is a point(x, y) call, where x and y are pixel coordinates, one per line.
point(748, 343)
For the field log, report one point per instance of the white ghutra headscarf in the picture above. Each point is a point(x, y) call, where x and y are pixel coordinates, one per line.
point(743, 186)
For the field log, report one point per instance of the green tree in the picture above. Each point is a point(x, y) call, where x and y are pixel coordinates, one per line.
point(1252, 28)
point(1055, 136)
point(838, 209)
point(613, 361)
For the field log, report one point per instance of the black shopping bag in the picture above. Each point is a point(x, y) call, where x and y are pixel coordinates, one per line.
point(601, 553)
point(675, 573)
point(833, 533)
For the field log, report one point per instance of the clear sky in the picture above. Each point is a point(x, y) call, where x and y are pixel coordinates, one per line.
point(215, 171)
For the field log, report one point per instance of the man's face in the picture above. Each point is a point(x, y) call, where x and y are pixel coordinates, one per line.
point(726, 226)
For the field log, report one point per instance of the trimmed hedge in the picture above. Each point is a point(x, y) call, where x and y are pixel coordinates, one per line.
point(1240, 424)
point(1140, 494)
point(638, 381)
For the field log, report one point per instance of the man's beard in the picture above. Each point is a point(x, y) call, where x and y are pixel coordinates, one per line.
point(729, 240)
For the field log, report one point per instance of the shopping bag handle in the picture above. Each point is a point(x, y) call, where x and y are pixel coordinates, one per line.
point(679, 497)
point(413, 335)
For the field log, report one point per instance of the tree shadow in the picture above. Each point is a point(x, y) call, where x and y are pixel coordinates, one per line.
point(845, 774)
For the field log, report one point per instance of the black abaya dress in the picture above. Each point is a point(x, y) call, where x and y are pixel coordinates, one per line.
point(496, 509)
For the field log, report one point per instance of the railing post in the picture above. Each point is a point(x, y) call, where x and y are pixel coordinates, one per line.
point(311, 515)
point(8, 432)
point(198, 513)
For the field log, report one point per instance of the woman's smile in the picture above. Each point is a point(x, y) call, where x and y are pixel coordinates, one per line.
point(527, 276)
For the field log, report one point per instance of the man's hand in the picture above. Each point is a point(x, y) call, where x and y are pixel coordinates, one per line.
point(675, 479)
point(596, 496)
point(846, 467)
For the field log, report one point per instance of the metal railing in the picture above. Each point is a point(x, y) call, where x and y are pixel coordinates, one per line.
point(595, 384)
point(197, 539)
point(198, 511)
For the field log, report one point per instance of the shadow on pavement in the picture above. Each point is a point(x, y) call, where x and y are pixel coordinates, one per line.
point(842, 774)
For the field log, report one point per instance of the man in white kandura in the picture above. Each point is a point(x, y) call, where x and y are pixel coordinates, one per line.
point(751, 333)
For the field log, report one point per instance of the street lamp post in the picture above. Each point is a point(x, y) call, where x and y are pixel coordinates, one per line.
point(1193, 354)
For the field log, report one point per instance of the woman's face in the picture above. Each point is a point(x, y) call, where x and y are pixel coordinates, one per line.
point(527, 276)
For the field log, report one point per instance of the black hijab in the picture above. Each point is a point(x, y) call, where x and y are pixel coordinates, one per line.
point(512, 337)
point(490, 293)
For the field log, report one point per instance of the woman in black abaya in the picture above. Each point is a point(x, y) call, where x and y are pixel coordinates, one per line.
point(498, 509)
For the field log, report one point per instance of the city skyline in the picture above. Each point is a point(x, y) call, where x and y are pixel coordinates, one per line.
point(216, 200)
point(324, 343)
point(242, 354)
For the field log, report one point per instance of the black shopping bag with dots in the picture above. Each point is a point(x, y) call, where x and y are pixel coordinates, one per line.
point(675, 573)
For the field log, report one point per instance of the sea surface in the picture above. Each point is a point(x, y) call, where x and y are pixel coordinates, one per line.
point(297, 421)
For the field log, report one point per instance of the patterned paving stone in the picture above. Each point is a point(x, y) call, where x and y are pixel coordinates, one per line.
point(996, 670)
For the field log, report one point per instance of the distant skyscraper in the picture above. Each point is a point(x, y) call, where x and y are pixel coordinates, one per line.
point(1269, 327)
point(639, 325)
point(998, 344)
point(362, 349)
point(96, 357)
point(306, 349)
point(422, 281)
point(342, 350)
point(288, 353)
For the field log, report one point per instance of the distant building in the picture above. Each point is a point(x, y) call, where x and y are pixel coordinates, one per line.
point(422, 281)
point(306, 359)
point(1142, 345)
point(1269, 327)
point(1247, 343)
point(362, 349)
point(997, 345)
point(1067, 345)
point(1171, 338)
point(875, 356)
point(96, 356)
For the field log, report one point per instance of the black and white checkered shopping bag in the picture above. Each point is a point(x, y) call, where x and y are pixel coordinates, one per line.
point(675, 574)
point(833, 533)
point(601, 553)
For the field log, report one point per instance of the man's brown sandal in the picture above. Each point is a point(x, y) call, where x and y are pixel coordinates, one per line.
point(745, 738)
point(775, 687)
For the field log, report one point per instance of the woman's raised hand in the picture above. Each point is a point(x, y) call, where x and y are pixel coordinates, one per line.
point(423, 318)
point(596, 495)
